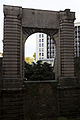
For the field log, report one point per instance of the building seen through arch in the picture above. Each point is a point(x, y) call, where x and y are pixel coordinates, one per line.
point(45, 48)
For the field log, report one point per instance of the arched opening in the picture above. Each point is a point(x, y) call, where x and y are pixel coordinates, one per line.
point(40, 50)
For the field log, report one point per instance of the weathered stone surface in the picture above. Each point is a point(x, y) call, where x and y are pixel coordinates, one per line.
point(69, 102)
point(12, 45)
point(44, 100)
point(20, 22)
point(40, 19)
point(12, 104)
point(41, 100)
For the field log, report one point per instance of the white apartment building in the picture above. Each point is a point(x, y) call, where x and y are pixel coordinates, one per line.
point(44, 48)
point(41, 46)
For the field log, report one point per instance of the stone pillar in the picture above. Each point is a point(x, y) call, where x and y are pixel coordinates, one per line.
point(12, 91)
point(12, 45)
point(66, 37)
point(57, 67)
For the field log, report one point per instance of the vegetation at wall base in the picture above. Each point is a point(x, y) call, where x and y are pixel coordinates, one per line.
point(62, 118)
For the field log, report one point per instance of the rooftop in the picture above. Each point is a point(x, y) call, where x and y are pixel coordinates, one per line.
point(77, 24)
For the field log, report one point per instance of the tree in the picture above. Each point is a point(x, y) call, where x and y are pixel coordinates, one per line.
point(39, 71)
point(27, 70)
point(28, 60)
point(34, 56)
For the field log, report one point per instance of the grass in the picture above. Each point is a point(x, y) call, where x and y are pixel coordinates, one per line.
point(62, 118)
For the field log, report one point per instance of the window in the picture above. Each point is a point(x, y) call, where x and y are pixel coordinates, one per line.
point(42, 35)
point(48, 54)
point(39, 49)
point(48, 37)
point(52, 50)
point(52, 45)
point(51, 54)
point(39, 40)
point(42, 49)
point(48, 41)
point(78, 28)
point(42, 54)
point(39, 54)
point(40, 45)
point(75, 28)
point(42, 40)
point(48, 45)
point(52, 41)
point(39, 35)
point(42, 57)
point(48, 50)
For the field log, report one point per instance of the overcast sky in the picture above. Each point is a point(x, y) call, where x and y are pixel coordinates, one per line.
point(55, 5)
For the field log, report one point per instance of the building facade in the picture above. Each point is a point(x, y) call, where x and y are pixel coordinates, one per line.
point(41, 46)
point(44, 48)
point(50, 48)
point(77, 40)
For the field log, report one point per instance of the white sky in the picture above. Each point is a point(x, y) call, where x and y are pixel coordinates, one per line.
point(55, 5)
point(30, 46)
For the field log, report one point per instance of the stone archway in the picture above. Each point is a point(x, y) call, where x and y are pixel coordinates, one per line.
point(19, 23)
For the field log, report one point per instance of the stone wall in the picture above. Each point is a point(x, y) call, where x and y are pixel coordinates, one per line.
point(40, 100)
point(47, 101)
point(69, 101)
point(11, 105)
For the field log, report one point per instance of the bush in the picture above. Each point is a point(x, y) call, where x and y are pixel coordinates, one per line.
point(39, 71)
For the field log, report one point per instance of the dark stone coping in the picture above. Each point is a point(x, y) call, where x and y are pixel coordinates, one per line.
point(45, 81)
point(68, 87)
point(12, 89)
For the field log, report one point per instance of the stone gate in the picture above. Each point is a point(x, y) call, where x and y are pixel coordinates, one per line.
point(19, 24)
